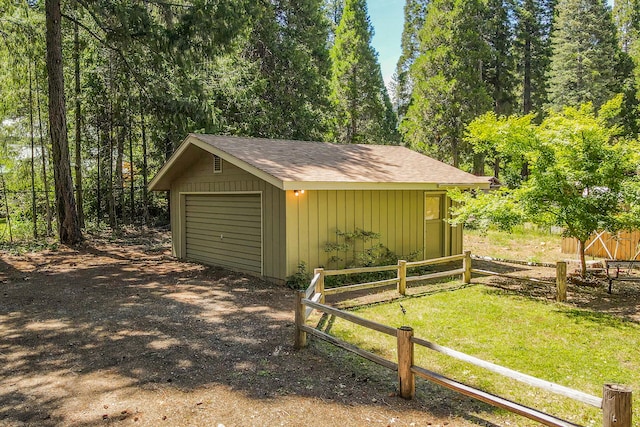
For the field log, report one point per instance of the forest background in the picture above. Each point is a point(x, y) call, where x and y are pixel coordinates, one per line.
point(139, 75)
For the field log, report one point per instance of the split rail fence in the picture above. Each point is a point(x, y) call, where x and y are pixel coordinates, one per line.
point(615, 403)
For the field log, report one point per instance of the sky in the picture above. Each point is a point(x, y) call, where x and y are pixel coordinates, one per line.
point(387, 19)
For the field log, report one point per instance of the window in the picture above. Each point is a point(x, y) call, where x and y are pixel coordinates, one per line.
point(432, 207)
point(217, 164)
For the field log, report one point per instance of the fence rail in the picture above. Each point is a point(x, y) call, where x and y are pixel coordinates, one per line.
point(400, 280)
point(615, 404)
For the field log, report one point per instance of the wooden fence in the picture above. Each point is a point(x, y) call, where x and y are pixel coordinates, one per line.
point(624, 245)
point(615, 404)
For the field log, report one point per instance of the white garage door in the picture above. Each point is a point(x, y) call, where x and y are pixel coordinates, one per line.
point(224, 230)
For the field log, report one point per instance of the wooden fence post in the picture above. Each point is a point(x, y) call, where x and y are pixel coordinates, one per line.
point(300, 340)
point(320, 283)
point(406, 378)
point(616, 406)
point(402, 277)
point(561, 281)
point(466, 264)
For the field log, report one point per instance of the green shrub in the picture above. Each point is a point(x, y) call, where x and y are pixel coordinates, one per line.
point(301, 279)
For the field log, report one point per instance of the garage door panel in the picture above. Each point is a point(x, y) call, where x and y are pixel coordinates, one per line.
point(239, 205)
point(197, 220)
point(225, 210)
point(227, 256)
point(240, 228)
point(230, 263)
point(227, 241)
point(237, 218)
point(236, 232)
point(219, 254)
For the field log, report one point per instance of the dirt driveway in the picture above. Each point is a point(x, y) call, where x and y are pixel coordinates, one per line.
point(119, 333)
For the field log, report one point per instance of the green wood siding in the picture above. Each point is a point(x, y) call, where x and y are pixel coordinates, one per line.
point(398, 216)
point(200, 178)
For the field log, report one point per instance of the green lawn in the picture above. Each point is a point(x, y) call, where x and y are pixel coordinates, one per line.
point(576, 348)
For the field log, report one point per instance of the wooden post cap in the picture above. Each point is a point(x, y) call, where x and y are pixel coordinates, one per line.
point(616, 405)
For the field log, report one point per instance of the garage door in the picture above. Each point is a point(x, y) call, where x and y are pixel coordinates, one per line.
point(224, 230)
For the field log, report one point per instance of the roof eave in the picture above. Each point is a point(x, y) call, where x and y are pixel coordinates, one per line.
point(345, 185)
point(161, 181)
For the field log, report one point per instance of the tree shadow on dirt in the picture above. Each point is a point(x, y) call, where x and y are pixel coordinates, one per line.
point(77, 327)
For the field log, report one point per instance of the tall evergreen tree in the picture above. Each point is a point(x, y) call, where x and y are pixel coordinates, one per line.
point(626, 14)
point(627, 19)
point(533, 52)
point(415, 12)
point(287, 55)
point(449, 90)
point(333, 10)
point(361, 104)
point(499, 71)
point(586, 57)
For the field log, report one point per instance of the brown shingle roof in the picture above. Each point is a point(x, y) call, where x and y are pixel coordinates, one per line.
point(302, 161)
point(287, 163)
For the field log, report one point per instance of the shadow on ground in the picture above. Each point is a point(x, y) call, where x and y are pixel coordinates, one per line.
point(108, 333)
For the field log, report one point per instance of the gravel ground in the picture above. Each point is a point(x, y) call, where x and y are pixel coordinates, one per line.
point(116, 332)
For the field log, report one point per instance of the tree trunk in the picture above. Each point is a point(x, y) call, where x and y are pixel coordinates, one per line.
point(68, 226)
point(99, 172)
point(43, 152)
point(527, 105)
point(478, 164)
point(111, 200)
point(78, 120)
point(34, 206)
point(145, 194)
point(6, 207)
point(132, 188)
point(583, 263)
point(119, 173)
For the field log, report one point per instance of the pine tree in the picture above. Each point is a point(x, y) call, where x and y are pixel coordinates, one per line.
point(362, 107)
point(586, 57)
point(626, 14)
point(289, 56)
point(627, 20)
point(533, 52)
point(449, 90)
point(333, 10)
point(500, 69)
point(414, 16)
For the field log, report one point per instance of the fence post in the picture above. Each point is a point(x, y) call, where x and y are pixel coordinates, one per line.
point(300, 340)
point(466, 264)
point(616, 406)
point(402, 277)
point(561, 281)
point(406, 378)
point(320, 283)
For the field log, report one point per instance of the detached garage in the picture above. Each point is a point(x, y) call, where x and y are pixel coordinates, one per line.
point(263, 206)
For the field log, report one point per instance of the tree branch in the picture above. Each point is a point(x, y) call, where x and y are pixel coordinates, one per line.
point(103, 42)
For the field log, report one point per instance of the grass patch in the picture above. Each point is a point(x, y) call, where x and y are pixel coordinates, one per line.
point(522, 245)
point(580, 349)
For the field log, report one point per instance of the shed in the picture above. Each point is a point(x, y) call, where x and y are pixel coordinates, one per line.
point(263, 206)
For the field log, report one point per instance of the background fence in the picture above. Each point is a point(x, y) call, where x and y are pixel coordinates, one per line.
point(624, 245)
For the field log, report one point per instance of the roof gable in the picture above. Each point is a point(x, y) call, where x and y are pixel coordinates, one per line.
point(319, 165)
